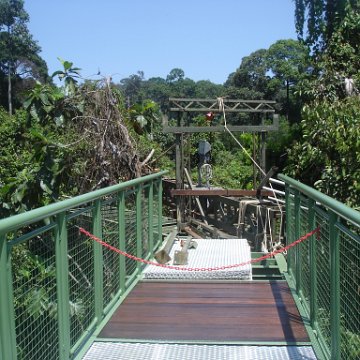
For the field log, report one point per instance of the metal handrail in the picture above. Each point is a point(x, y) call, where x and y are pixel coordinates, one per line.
point(11, 223)
point(336, 206)
point(324, 271)
point(51, 263)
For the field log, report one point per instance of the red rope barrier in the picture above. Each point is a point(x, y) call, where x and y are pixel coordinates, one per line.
point(148, 262)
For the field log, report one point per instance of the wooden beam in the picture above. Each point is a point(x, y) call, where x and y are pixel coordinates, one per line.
point(218, 192)
point(233, 110)
point(198, 203)
point(229, 105)
point(210, 129)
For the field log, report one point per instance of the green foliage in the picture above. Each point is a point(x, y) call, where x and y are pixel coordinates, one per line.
point(232, 170)
point(278, 142)
point(205, 89)
point(44, 157)
point(252, 73)
point(33, 163)
point(42, 104)
point(329, 155)
point(175, 75)
point(19, 53)
point(288, 60)
point(136, 89)
point(272, 74)
point(157, 89)
point(132, 88)
point(145, 116)
point(320, 19)
point(69, 74)
point(339, 61)
point(350, 344)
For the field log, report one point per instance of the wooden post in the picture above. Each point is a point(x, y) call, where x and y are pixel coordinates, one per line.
point(263, 152)
point(179, 159)
point(178, 174)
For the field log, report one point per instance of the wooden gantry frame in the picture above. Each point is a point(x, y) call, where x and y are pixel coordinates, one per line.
point(185, 106)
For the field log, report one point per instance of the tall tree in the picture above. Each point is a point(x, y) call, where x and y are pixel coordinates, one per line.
point(252, 73)
point(19, 53)
point(327, 155)
point(317, 20)
point(175, 75)
point(132, 88)
point(289, 62)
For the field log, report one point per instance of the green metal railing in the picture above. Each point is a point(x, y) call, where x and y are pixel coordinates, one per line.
point(57, 285)
point(325, 271)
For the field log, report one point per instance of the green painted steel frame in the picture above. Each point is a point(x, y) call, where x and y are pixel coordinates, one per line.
point(59, 212)
point(7, 316)
point(335, 213)
point(62, 283)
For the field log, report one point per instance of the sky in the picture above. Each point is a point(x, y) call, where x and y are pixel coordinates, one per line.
point(205, 38)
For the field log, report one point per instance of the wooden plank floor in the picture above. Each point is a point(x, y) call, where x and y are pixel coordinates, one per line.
point(263, 312)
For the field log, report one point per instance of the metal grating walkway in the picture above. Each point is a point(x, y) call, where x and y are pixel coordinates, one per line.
point(145, 351)
point(209, 253)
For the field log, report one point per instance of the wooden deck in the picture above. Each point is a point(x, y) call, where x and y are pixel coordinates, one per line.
point(173, 311)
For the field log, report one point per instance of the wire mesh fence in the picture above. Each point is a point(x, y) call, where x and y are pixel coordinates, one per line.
point(130, 233)
point(146, 230)
point(80, 277)
point(304, 253)
point(350, 287)
point(34, 295)
point(111, 263)
point(57, 285)
point(326, 269)
point(323, 280)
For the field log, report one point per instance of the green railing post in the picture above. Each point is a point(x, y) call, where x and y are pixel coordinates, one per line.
point(313, 268)
point(297, 235)
point(122, 225)
point(98, 262)
point(139, 240)
point(159, 209)
point(7, 316)
point(337, 217)
point(151, 218)
point(62, 285)
point(58, 211)
point(288, 220)
point(334, 286)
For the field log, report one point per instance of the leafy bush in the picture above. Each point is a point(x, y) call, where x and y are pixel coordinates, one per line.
point(329, 156)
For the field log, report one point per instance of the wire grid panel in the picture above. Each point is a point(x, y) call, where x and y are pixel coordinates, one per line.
point(130, 233)
point(110, 231)
point(145, 230)
point(81, 277)
point(157, 213)
point(323, 277)
point(144, 351)
point(305, 284)
point(291, 236)
point(35, 297)
point(350, 295)
point(210, 253)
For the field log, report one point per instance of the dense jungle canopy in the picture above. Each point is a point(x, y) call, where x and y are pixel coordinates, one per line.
point(60, 141)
